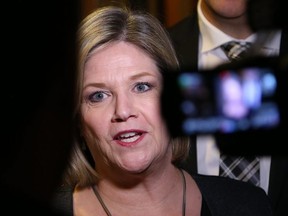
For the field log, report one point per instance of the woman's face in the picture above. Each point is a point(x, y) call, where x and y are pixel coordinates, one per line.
point(121, 107)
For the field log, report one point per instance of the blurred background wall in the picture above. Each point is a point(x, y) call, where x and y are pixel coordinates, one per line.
point(168, 11)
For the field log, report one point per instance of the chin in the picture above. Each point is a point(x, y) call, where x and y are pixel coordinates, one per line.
point(135, 166)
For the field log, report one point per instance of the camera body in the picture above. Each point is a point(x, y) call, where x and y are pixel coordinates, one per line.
point(239, 103)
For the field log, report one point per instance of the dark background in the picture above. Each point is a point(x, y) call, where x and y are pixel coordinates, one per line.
point(38, 67)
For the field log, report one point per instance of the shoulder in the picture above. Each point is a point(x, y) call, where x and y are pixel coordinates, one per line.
point(233, 197)
point(62, 202)
point(184, 25)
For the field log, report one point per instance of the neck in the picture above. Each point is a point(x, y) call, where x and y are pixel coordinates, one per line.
point(155, 198)
point(236, 27)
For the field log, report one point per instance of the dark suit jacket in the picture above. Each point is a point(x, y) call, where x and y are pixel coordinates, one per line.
point(220, 196)
point(185, 36)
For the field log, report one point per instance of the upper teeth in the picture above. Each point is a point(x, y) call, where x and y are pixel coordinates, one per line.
point(126, 135)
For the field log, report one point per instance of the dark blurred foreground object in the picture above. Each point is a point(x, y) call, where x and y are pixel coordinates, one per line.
point(195, 105)
point(38, 45)
point(267, 14)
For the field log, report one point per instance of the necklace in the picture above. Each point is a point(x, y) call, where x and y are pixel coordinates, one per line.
point(183, 198)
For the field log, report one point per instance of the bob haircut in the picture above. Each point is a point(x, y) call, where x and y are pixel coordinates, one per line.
point(102, 27)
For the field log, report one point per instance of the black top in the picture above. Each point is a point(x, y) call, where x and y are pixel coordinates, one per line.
point(220, 197)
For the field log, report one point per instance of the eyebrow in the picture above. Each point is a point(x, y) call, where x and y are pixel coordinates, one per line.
point(133, 77)
point(142, 74)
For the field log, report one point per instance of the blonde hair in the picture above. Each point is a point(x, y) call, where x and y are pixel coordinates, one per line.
point(101, 27)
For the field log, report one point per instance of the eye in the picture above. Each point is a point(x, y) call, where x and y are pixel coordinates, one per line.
point(97, 96)
point(143, 87)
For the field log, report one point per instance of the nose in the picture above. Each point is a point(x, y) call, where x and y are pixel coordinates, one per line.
point(124, 108)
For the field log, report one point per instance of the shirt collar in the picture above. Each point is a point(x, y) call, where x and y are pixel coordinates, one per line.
point(211, 36)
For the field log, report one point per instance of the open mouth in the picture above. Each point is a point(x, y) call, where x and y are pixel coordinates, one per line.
point(128, 137)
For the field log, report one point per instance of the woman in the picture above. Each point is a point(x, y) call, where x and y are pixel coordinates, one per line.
point(124, 162)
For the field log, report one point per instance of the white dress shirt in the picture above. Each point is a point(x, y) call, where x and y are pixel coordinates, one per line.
point(211, 55)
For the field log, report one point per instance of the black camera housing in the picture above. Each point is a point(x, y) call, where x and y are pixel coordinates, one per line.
point(193, 104)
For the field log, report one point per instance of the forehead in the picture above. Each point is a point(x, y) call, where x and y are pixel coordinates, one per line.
point(119, 57)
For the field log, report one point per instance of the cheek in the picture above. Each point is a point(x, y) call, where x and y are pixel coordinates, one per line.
point(94, 121)
point(151, 108)
point(160, 120)
point(157, 112)
point(155, 116)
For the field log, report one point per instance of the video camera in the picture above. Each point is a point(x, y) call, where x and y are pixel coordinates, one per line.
point(240, 103)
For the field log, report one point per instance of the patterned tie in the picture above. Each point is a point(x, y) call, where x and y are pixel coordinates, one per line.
point(235, 50)
point(240, 168)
